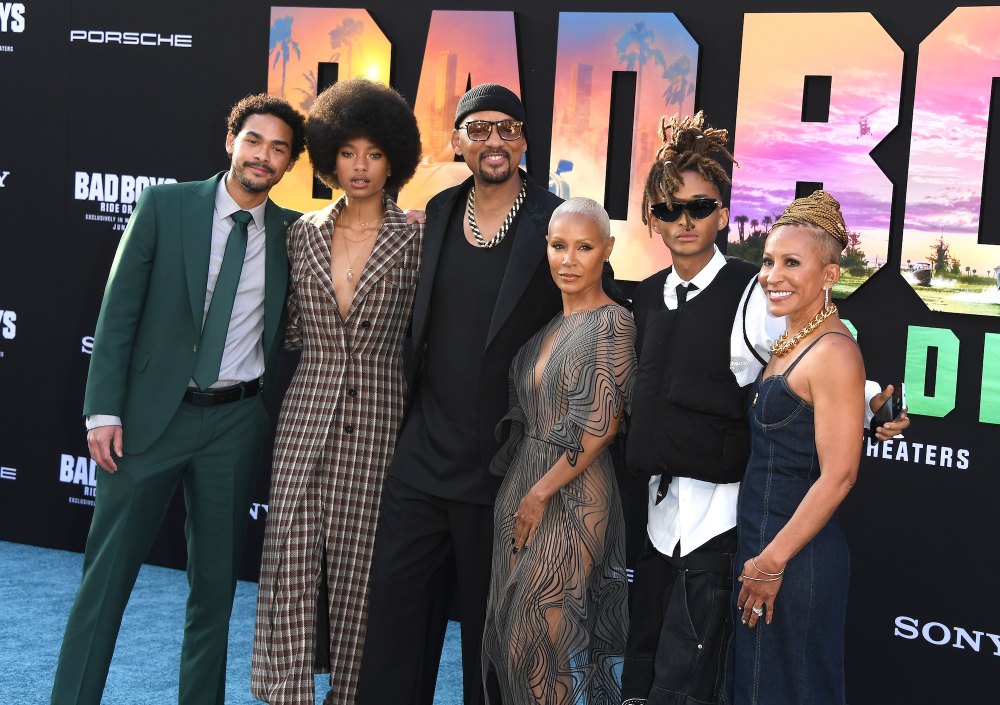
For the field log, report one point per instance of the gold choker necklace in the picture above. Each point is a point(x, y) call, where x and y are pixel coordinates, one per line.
point(784, 344)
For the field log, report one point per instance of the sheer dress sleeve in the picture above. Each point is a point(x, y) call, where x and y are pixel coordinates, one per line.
point(600, 372)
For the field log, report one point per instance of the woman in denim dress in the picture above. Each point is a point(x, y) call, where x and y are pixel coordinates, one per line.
point(806, 410)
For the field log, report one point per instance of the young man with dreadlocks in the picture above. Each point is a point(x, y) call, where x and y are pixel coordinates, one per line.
point(703, 336)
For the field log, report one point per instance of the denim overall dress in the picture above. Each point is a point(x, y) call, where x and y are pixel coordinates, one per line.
point(799, 658)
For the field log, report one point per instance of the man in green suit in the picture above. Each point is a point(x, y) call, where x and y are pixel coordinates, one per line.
point(193, 315)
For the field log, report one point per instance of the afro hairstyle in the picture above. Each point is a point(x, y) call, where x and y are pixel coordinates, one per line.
point(355, 108)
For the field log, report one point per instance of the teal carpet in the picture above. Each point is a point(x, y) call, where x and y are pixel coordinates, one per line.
point(37, 586)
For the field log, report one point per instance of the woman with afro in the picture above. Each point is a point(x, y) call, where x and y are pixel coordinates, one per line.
point(354, 268)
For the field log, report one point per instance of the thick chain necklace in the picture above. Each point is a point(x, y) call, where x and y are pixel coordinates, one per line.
point(784, 344)
point(495, 240)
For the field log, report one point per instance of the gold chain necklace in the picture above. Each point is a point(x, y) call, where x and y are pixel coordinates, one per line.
point(784, 344)
point(366, 238)
point(347, 249)
point(367, 223)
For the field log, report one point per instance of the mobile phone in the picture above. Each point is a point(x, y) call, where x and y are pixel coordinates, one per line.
point(891, 409)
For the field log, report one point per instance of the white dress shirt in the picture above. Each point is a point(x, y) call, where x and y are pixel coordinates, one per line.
point(243, 355)
point(693, 511)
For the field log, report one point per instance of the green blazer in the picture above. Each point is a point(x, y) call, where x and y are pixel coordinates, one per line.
point(150, 322)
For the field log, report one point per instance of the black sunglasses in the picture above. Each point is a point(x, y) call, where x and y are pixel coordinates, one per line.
point(480, 130)
point(697, 208)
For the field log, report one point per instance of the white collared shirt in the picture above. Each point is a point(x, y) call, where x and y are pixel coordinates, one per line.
point(243, 356)
point(693, 511)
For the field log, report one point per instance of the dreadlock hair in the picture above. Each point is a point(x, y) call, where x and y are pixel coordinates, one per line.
point(686, 145)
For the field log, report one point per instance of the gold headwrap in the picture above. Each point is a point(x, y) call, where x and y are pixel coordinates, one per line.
point(819, 209)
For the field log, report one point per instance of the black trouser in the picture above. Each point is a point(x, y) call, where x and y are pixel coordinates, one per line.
point(425, 548)
point(681, 625)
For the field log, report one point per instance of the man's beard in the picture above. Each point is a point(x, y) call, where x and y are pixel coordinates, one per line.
point(495, 177)
point(253, 186)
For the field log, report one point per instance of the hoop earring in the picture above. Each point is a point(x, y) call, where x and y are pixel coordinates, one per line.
point(826, 297)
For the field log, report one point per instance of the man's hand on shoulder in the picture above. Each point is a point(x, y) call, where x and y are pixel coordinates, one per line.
point(101, 441)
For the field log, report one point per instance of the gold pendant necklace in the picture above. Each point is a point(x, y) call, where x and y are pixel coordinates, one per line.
point(783, 345)
point(347, 249)
point(363, 227)
point(350, 263)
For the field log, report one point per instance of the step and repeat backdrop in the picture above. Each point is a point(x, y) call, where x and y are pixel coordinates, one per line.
point(892, 106)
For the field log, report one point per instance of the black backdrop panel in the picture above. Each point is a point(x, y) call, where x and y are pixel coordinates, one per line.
point(100, 99)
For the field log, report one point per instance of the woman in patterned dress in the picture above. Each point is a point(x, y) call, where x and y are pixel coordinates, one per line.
point(556, 620)
point(354, 268)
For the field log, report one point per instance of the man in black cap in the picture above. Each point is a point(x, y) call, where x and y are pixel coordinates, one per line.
point(484, 289)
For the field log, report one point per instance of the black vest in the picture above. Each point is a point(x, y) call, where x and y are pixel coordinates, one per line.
point(688, 413)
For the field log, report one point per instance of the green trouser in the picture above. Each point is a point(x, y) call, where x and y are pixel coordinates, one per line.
point(216, 452)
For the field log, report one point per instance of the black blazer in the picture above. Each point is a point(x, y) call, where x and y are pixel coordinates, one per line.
point(527, 300)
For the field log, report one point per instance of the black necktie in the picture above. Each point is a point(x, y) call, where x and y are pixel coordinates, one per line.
point(682, 293)
point(682, 297)
point(220, 311)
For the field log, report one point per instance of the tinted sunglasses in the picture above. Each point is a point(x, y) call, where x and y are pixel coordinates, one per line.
point(480, 130)
point(697, 208)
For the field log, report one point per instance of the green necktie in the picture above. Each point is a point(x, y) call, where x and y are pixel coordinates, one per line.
point(220, 311)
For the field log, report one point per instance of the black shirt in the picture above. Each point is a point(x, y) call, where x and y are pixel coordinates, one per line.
point(439, 446)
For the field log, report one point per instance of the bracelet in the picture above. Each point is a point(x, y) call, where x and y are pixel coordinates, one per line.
point(761, 580)
point(753, 562)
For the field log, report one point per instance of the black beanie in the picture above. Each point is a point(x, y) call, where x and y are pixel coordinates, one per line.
point(489, 96)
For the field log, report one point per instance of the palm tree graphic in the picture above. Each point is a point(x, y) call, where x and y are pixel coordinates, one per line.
point(635, 49)
point(678, 85)
point(282, 46)
point(741, 223)
point(310, 92)
point(344, 35)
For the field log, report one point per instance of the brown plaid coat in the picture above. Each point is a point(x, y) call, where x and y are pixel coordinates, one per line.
point(338, 427)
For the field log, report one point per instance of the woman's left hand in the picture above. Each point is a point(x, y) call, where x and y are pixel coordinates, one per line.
point(757, 597)
point(527, 518)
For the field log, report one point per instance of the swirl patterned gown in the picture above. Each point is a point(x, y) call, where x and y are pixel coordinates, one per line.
point(557, 616)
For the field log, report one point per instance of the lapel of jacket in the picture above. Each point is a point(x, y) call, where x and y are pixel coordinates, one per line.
point(661, 281)
point(438, 213)
point(276, 222)
point(197, 207)
point(317, 234)
point(394, 235)
point(527, 253)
